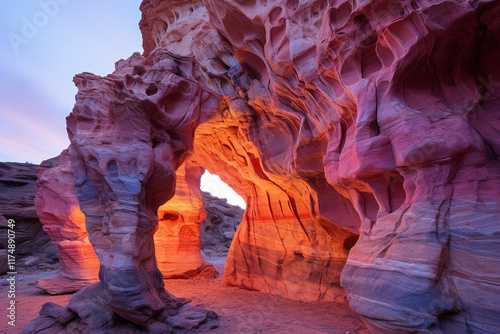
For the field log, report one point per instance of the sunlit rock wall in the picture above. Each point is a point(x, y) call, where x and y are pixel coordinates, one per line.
point(177, 245)
point(177, 239)
point(297, 229)
point(332, 119)
point(59, 211)
point(408, 94)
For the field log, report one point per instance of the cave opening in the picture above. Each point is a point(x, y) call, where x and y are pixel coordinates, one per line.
point(224, 209)
point(212, 184)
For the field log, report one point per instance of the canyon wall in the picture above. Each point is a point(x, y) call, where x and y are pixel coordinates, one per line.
point(334, 120)
point(407, 94)
point(290, 241)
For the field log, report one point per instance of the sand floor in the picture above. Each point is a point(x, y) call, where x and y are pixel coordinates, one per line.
point(240, 311)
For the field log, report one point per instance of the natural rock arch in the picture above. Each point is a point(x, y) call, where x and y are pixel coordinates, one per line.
point(308, 91)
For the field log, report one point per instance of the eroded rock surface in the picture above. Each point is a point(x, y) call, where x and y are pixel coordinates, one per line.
point(218, 228)
point(177, 245)
point(59, 211)
point(284, 244)
point(405, 94)
point(130, 130)
point(332, 119)
point(177, 239)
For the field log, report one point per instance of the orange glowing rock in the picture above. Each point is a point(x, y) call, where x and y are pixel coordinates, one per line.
point(289, 234)
point(59, 211)
point(177, 239)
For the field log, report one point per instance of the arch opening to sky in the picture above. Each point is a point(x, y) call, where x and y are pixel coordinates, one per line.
point(216, 187)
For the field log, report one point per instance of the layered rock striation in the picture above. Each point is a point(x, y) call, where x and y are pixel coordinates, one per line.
point(130, 130)
point(177, 243)
point(334, 120)
point(17, 202)
point(59, 211)
point(177, 239)
point(410, 142)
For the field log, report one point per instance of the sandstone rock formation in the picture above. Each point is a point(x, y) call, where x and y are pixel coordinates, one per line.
point(288, 242)
point(284, 244)
point(177, 243)
point(177, 239)
point(17, 193)
point(218, 229)
point(409, 124)
point(332, 119)
point(59, 211)
point(130, 130)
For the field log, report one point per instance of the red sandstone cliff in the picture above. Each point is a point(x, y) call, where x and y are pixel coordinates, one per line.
point(332, 119)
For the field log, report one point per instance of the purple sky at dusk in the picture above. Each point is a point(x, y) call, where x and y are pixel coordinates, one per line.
point(43, 44)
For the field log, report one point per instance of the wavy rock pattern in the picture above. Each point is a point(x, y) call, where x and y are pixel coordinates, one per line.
point(59, 211)
point(176, 241)
point(331, 118)
point(130, 131)
point(407, 94)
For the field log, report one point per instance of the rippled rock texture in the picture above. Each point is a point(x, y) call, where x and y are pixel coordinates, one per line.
point(177, 244)
point(334, 120)
point(59, 211)
point(129, 132)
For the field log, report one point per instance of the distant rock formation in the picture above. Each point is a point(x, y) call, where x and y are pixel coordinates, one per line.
point(218, 229)
point(17, 194)
point(363, 136)
point(177, 239)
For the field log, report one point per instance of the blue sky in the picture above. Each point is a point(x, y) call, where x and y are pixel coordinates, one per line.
point(43, 44)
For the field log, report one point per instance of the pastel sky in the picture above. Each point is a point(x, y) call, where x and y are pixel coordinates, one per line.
point(43, 44)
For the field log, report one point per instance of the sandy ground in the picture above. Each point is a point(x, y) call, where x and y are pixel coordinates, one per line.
point(240, 311)
point(29, 299)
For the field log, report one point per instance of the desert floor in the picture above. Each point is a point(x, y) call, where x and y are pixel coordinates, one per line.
point(240, 311)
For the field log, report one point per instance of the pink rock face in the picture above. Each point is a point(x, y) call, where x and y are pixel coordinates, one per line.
point(59, 211)
point(129, 132)
point(330, 118)
point(289, 242)
point(407, 98)
point(177, 243)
